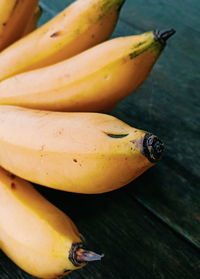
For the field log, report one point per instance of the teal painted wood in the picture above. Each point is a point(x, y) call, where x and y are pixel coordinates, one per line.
point(167, 104)
point(150, 229)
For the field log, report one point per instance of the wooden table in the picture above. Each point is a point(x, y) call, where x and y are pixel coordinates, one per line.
point(149, 229)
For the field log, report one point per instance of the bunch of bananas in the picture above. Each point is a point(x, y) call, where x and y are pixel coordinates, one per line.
point(57, 83)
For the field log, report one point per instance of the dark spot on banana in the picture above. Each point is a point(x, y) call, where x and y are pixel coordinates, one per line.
point(60, 132)
point(13, 186)
point(139, 51)
point(55, 34)
point(135, 53)
point(75, 160)
point(117, 136)
point(140, 44)
point(11, 175)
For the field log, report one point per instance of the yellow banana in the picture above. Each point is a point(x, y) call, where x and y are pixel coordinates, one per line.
point(77, 152)
point(83, 24)
point(14, 15)
point(94, 80)
point(33, 21)
point(36, 235)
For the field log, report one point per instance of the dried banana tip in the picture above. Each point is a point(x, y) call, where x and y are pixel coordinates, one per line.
point(79, 256)
point(153, 148)
point(163, 35)
point(87, 256)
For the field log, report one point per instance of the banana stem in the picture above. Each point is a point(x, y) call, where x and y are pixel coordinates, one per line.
point(79, 256)
point(152, 147)
point(163, 35)
point(87, 256)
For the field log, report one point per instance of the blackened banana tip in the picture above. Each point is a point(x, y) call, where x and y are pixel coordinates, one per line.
point(163, 35)
point(88, 256)
point(79, 256)
point(152, 148)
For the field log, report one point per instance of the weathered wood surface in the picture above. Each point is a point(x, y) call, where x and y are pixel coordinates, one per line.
point(168, 105)
point(151, 228)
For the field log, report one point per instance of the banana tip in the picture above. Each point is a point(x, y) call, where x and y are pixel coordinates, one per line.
point(163, 35)
point(153, 148)
point(79, 256)
point(87, 256)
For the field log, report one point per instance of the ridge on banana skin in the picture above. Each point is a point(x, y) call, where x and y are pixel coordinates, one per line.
point(33, 21)
point(14, 16)
point(36, 235)
point(76, 152)
point(80, 26)
point(94, 80)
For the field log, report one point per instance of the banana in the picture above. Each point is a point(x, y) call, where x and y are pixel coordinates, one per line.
point(36, 235)
point(94, 80)
point(81, 25)
point(33, 21)
point(76, 152)
point(14, 15)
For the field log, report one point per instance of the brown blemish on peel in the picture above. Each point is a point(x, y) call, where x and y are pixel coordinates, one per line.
point(11, 175)
point(117, 136)
point(13, 186)
point(55, 34)
point(60, 132)
point(75, 160)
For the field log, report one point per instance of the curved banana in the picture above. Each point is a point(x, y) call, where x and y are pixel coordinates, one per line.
point(82, 25)
point(35, 234)
point(76, 152)
point(33, 21)
point(14, 15)
point(94, 80)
